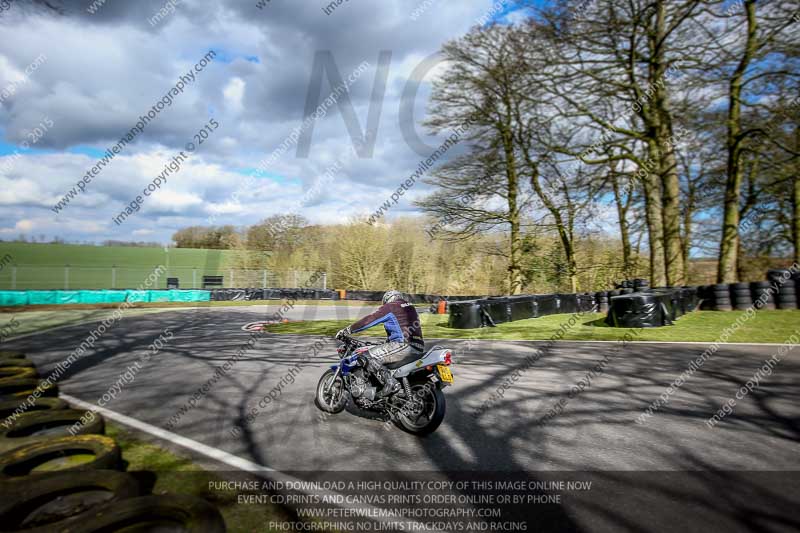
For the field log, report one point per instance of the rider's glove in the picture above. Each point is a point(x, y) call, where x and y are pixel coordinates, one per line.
point(343, 333)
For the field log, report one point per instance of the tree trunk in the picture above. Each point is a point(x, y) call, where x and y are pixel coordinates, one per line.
point(727, 270)
point(624, 227)
point(655, 222)
point(665, 156)
point(515, 259)
point(688, 215)
point(796, 202)
point(673, 249)
point(572, 264)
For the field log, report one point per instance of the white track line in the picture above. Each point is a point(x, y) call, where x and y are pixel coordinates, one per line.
point(218, 455)
point(370, 512)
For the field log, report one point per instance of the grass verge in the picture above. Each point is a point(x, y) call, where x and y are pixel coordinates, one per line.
point(178, 475)
point(699, 326)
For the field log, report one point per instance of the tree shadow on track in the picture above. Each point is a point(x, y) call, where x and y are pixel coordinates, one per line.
point(700, 490)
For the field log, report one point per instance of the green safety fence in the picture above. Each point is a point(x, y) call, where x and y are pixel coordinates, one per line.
point(12, 298)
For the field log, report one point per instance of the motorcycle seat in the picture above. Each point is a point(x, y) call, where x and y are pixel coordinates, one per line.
point(404, 361)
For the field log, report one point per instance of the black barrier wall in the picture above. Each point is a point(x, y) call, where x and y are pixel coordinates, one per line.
point(633, 305)
point(650, 308)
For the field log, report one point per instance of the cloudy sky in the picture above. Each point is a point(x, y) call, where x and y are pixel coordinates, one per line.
point(72, 83)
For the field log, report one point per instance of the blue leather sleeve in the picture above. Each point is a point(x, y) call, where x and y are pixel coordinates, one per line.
point(390, 323)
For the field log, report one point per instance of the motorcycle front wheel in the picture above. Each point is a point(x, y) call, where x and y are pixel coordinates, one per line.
point(334, 400)
point(426, 414)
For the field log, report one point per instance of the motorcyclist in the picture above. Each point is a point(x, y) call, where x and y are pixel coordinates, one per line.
point(404, 338)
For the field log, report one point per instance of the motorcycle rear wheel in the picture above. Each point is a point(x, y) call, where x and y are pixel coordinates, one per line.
point(432, 415)
point(335, 400)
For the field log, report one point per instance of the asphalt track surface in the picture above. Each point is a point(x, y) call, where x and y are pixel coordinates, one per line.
point(745, 466)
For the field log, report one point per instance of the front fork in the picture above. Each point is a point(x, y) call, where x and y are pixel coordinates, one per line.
point(327, 388)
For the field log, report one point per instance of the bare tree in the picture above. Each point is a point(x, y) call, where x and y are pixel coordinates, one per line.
point(478, 89)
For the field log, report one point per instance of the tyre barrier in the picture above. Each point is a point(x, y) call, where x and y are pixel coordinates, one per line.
point(414, 298)
point(762, 291)
point(722, 297)
point(17, 363)
point(7, 408)
point(787, 282)
point(82, 452)
point(18, 372)
point(786, 301)
point(601, 298)
point(672, 304)
point(50, 423)
point(651, 309)
point(547, 304)
point(715, 297)
point(370, 296)
point(465, 315)
point(252, 294)
point(58, 496)
point(5, 354)
point(522, 307)
point(54, 482)
point(787, 296)
point(22, 388)
point(741, 296)
point(485, 312)
point(587, 303)
point(187, 514)
point(669, 303)
point(498, 309)
point(568, 303)
point(779, 275)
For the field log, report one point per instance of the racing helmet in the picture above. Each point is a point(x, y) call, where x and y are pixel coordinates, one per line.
point(391, 296)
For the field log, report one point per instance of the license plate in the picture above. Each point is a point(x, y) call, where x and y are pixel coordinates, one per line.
point(444, 373)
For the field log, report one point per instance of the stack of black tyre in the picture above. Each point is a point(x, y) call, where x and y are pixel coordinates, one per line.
point(640, 284)
point(53, 479)
point(741, 296)
point(722, 297)
point(785, 280)
point(716, 297)
point(689, 298)
point(762, 291)
point(601, 297)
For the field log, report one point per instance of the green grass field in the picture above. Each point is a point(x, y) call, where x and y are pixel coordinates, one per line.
point(699, 326)
point(42, 266)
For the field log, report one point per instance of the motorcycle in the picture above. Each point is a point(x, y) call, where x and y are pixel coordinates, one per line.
point(417, 408)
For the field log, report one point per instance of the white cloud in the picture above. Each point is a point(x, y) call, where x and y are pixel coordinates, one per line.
point(103, 72)
point(234, 94)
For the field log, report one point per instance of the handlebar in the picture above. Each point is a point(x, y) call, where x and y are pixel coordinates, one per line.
point(356, 343)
